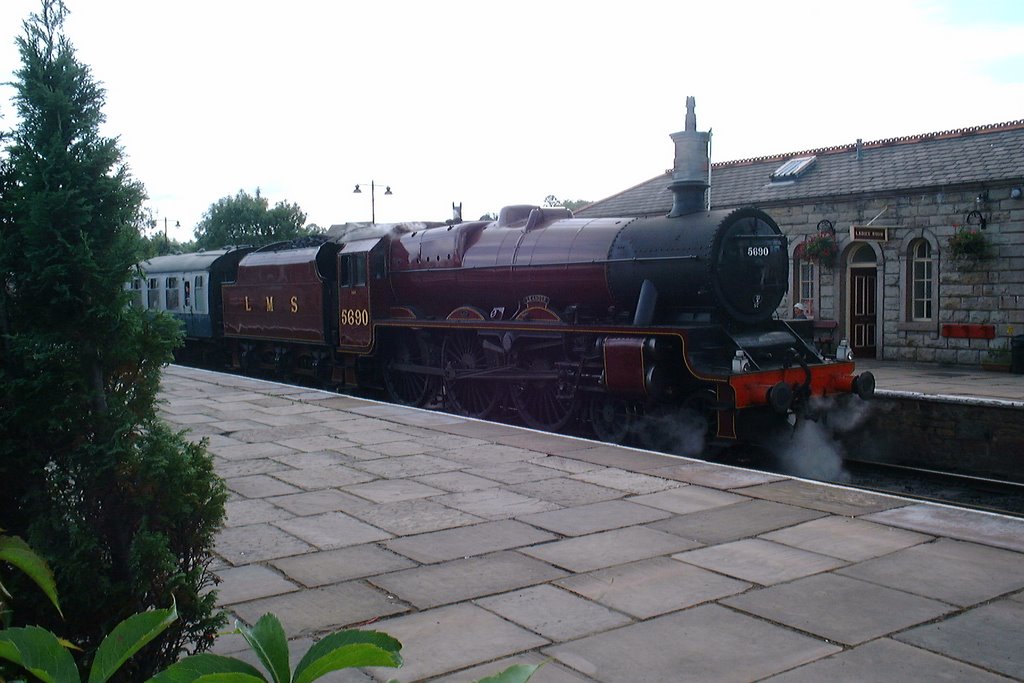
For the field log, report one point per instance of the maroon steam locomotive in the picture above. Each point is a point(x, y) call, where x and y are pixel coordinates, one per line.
point(633, 325)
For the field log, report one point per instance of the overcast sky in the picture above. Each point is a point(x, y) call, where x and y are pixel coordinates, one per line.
point(490, 103)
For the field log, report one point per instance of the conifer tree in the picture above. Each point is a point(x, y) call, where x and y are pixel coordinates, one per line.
point(123, 508)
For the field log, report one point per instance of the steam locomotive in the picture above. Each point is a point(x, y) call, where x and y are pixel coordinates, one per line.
point(650, 328)
point(629, 325)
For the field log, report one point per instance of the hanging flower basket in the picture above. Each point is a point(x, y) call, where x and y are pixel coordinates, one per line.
point(967, 243)
point(820, 248)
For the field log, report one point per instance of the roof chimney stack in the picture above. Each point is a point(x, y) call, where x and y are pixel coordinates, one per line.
point(690, 169)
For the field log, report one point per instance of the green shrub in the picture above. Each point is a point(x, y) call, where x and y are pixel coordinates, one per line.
point(124, 509)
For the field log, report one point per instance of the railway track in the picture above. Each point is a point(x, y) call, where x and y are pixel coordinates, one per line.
point(959, 490)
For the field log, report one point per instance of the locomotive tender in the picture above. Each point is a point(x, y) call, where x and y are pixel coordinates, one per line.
point(629, 324)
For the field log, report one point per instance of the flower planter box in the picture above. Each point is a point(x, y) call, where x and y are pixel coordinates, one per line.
point(969, 331)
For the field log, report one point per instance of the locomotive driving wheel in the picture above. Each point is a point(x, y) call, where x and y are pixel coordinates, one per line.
point(464, 359)
point(610, 418)
point(545, 399)
point(405, 385)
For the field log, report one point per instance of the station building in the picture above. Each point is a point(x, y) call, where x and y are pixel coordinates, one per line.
point(910, 248)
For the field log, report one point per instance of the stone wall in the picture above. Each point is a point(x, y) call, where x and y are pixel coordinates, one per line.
point(988, 291)
point(981, 440)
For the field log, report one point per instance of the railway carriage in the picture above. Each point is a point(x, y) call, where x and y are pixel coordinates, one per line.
point(188, 287)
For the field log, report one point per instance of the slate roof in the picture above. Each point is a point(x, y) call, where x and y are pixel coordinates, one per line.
point(977, 155)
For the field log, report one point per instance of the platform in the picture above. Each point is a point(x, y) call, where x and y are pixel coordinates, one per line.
point(956, 382)
point(480, 545)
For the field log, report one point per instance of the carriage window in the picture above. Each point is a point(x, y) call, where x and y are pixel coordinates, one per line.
point(200, 294)
point(171, 285)
point(153, 295)
point(136, 293)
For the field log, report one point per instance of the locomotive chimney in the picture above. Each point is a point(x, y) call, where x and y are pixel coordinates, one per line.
point(690, 169)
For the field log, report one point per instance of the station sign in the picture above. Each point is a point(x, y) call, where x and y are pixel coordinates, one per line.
point(868, 233)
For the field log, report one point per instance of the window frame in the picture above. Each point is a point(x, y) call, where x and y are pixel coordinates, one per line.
point(927, 282)
point(805, 289)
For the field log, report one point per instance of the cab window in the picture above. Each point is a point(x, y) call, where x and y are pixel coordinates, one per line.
point(353, 270)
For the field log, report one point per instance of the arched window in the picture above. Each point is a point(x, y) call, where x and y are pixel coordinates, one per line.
point(922, 291)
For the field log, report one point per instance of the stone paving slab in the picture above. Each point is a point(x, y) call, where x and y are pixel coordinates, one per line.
point(229, 469)
point(652, 587)
point(630, 482)
point(242, 512)
point(317, 610)
point(556, 614)
point(838, 501)
point(392, 490)
point(565, 491)
point(896, 661)
point(760, 561)
point(332, 530)
point(514, 472)
point(480, 545)
point(686, 499)
point(733, 522)
point(990, 636)
point(587, 519)
point(713, 476)
point(608, 548)
point(458, 580)
point(467, 541)
point(1003, 532)
point(330, 476)
point(952, 571)
point(407, 517)
point(450, 638)
point(706, 643)
point(256, 543)
point(318, 502)
point(251, 582)
point(335, 566)
point(847, 538)
point(839, 608)
point(496, 503)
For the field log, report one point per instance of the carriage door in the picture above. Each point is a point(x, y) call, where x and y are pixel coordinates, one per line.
point(863, 315)
point(357, 278)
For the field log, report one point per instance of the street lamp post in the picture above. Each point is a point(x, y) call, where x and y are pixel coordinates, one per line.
point(373, 198)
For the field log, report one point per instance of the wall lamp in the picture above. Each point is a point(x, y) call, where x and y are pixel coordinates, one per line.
point(975, 218)
point(373, 198)
point(1016, 193)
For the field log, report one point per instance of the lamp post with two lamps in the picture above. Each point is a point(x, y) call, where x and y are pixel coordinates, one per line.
point(373, 198)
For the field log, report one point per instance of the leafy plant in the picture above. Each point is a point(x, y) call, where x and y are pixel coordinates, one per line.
point(16, 552)
point(967, 242)
point(340, 650)
point(45, 656)
point(821, 248)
